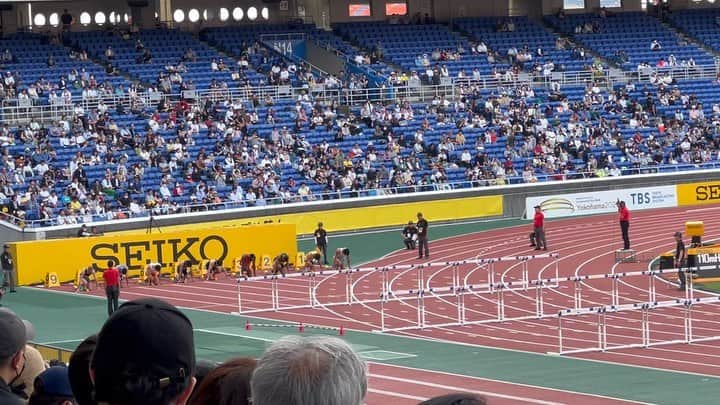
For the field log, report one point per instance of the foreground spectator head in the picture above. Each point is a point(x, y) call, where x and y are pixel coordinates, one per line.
point(52, 387)
point(319, 370)
point(14, 334)
point(227, 384)
point(79, 371)
point(34, 365)
point(145, 355)
point(202, 369)
point(456, 399)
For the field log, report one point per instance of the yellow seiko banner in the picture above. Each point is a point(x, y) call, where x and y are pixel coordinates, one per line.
point(699, 193)
point(66, 256)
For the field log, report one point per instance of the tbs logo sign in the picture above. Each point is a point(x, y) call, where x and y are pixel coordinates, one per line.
point(641, 198)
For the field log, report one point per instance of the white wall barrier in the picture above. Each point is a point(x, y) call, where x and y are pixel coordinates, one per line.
point(602, 202)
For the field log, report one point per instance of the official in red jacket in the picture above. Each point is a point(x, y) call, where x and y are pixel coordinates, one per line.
point(624, 223)
point(539, 229)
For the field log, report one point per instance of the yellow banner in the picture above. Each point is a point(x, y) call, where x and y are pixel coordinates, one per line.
point(67, 256)
point(377, 216)
point(699, 193)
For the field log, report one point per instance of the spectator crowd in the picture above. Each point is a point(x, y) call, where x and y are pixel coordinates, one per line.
point(122, 152)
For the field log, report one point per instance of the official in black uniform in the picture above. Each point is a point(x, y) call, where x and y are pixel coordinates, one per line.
point(680, 255)
point(8, 267)
point(321, 241)
point(422, 228)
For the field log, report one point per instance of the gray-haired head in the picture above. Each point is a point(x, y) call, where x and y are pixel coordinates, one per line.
point(318, 370)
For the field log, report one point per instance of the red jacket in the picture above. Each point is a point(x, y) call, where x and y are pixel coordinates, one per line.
point(539, 220)
point(111, 277)
point(624, 214)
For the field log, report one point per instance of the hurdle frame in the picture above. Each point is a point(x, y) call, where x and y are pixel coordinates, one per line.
point(386, 293)
point(499, 289)
point(645, 309)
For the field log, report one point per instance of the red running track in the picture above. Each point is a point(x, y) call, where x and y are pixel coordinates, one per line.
point(586, 246)
point(403, 385)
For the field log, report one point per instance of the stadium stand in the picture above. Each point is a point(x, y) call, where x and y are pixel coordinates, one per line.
point(699, 24)
point(526, 36)
point(148, 146)
point(40, 67)
point(417, 47)
point(626, 38)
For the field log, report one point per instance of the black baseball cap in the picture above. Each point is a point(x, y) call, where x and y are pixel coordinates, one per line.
point(146, 337)
point(78, 371)
point(14, 333)
point(53, 383)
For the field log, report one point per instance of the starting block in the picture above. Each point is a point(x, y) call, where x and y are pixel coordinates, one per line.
point(625, 256)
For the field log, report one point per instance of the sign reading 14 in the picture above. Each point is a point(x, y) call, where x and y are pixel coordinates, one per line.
point(284, 47)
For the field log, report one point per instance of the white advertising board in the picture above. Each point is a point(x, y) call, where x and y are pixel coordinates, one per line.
point(601, 202)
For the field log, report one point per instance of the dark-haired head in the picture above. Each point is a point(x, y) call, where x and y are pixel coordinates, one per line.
point(456, 399)
point(227, 384)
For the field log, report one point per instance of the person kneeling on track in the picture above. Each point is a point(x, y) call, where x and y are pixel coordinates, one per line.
point(214, 267)
point(123, 270)
point(87, 273)
point(247, 265)
point(342, 257)
point(183, 271)
point(152, 273)
point(409, 234)
point(280, 264)
point(311, 260)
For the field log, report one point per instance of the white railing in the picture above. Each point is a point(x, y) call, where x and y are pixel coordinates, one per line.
point(14, 110)
point(345, 195)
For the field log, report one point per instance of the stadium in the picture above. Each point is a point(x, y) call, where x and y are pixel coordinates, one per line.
point(360, 202)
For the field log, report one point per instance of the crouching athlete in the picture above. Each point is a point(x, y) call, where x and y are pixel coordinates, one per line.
point(342, 257)
point(280, 264)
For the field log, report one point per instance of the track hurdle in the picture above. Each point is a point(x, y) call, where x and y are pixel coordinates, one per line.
point(427, 300)
point(570, 340)
point(292, 291)
point(284, 292)
point(493, 299)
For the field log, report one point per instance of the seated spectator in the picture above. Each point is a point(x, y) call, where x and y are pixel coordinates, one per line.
point(655, 45)
point(109, 53)
point(313, 370)
point(52, 386)
point(79, 371)
point(145, 354)
point(146, 56)
point(227, 384)
point(14, 335)
point(7, 56)
point(190, 56)
point(436, 55)
point(34, 365)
